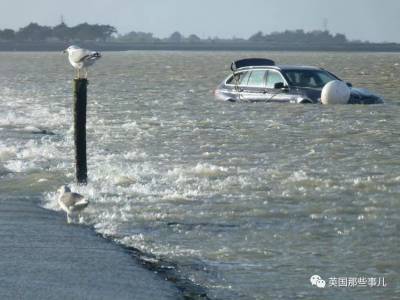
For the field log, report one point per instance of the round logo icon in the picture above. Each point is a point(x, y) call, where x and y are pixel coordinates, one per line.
point(317, 281)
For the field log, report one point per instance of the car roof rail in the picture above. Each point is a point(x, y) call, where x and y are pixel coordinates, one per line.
point(251, 62)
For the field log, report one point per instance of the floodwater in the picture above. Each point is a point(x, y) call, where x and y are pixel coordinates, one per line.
point(246, 200)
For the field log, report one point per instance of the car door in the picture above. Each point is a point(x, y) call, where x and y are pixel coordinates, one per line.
point(273, 93)
point(254, 88)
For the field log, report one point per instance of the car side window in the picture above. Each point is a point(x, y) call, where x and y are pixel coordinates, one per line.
point(244, 78)
point(273, 77)
point(231, 80)
point(239, 78)
point(257, 78)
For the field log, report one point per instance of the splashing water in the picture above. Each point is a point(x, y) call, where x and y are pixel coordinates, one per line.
point(246, 200)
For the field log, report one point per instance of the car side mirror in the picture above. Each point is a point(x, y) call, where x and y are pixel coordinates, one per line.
point(280, 86)
point(349, 84)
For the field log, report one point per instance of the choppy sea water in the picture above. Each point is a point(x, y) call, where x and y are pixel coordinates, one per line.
point(247, 200)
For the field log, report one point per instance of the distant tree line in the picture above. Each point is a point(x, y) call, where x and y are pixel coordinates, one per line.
point(299, 36)
point(145, 37)
point(292, 37)
point(107, 33)
point(82, 32)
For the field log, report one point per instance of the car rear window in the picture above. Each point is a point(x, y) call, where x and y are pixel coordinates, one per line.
point(239, 78)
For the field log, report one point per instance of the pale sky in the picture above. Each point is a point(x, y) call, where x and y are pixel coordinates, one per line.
point(374, 20)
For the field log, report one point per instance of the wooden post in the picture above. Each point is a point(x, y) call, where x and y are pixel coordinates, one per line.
point(80, 103)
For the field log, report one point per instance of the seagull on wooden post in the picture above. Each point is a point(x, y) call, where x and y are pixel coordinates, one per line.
point(81, 58)
point(71, 203)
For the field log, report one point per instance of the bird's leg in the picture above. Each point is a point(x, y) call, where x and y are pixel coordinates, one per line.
point(69, 219)
point(79, 73)
point(86, 73)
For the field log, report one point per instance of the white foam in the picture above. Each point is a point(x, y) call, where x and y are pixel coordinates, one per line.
point(7, 152)
point(202, 170)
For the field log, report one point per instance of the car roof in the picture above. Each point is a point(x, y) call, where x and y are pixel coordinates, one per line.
point(281, 67)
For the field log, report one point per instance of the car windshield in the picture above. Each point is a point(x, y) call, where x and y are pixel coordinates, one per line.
point(308, 78)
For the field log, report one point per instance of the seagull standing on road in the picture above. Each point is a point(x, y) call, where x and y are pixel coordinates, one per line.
point(81, 59)
point(71, 203)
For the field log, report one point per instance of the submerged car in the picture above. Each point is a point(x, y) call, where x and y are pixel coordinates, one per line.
point(258, 79)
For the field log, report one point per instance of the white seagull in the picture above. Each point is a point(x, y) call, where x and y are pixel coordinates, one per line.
point(81, 58)
point(71, 203)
